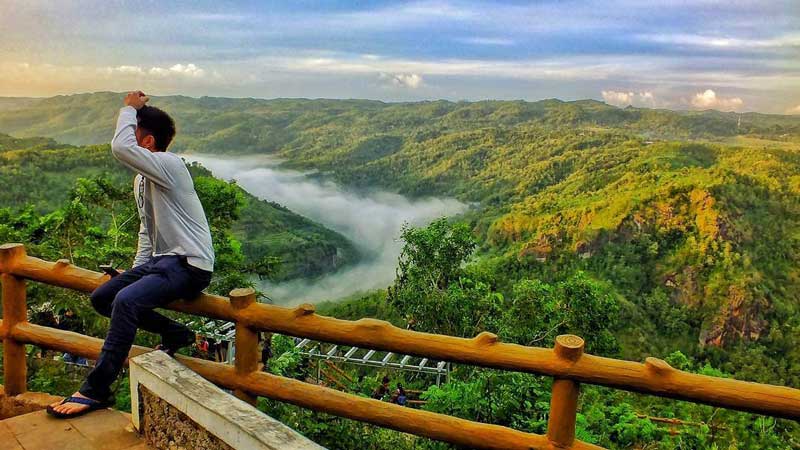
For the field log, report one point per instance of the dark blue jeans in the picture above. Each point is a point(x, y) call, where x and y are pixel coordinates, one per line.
point(129, 299)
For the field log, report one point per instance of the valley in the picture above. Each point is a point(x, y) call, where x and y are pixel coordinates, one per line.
point(370, 220)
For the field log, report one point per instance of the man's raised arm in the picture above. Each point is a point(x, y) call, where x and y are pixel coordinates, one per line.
point(125, 148)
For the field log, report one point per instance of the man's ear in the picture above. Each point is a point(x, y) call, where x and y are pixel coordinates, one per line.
point(149, 142)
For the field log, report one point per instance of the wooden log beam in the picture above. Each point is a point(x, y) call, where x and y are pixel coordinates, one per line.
point(10, 254)
point(423, 423)
point(419, 422)
point(13, 259)
point(64, 341)
point(246, 342)
point(564, 402)
point(15, 311)
point(485, 350)
point(653, 377)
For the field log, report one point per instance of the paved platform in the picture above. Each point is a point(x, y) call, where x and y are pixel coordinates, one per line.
point(100, 430)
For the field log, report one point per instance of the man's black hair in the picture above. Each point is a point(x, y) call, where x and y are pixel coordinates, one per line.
point(158, 124)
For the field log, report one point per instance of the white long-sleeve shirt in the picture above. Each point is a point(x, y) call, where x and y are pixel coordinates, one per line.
point(172, 218)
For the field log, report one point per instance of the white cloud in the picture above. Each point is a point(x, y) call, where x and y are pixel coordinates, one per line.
point(403, 80)
point(35, 79)
point(709, 100)
point(189, 70)
point(124, 70)
point(723, 42)
point(795, 110)
point(622, 99)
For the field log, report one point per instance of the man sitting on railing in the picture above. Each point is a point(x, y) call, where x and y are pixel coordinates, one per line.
point(174, 260)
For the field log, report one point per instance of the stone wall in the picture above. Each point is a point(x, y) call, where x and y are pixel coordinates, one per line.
point(166, 428)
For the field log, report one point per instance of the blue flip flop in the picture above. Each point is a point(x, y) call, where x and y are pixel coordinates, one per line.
point(93, 406)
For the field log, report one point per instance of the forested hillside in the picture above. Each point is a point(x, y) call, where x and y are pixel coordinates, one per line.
point(38, 174)
point(650, 232)
point(226, 125)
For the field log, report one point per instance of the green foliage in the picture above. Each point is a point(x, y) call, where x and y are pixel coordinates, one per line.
point(122, 393)
point(434, 291)
point(538, 312)
point(360, 305)
point(628, 430)
point(516, 400)
point(287, 359)
point(343, 434)
point(435, 252)
point(431, 287)
point(54, 377)
point(222, 203)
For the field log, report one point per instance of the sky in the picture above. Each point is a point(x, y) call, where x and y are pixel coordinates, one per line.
point(690, 54)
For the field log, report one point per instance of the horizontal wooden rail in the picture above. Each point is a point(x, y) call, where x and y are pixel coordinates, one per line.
point(409, 420)
point(654, 377)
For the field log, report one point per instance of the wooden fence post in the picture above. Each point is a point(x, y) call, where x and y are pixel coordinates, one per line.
point(15, 310)
point(246, 356)
point(564, 402)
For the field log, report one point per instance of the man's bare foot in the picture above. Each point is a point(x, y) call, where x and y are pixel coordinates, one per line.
point(69, 407)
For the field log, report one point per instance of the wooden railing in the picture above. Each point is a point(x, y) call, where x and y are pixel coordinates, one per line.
point(566, 362)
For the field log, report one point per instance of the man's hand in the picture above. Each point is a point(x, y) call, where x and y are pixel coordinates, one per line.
point(137, 99)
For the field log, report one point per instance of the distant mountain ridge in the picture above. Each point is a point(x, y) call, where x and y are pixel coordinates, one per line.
point(228, 125)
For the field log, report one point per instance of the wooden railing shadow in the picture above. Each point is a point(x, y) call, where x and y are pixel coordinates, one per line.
point(566, 363)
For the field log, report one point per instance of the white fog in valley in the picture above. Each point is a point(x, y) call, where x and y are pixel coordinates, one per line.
point(372, 221)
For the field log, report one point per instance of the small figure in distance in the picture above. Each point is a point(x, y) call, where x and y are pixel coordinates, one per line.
point(399, 396)
point(381, 390)
point(201, 344)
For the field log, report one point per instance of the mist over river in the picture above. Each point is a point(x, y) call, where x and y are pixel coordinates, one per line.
point(371, 220)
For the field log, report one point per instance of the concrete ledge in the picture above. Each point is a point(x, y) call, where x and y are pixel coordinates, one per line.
point(24, 403)
point(234, 422)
